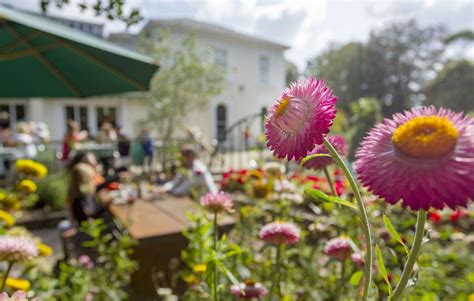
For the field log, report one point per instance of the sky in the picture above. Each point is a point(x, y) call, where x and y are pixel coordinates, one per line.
point(307, 26)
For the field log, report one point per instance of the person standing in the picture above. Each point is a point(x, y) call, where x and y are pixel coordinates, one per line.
point(72, 138)
point(147, 146)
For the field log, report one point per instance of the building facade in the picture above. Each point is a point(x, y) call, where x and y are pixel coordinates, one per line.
point(255, 75)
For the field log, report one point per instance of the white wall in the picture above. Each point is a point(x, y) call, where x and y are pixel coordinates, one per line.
point(243, 94)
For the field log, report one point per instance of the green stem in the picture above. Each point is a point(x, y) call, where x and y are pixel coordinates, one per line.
point(415, 250)
point(276, 279)
point(216, 276)
point(330, 182)
point(362, 213)
point(7, 272)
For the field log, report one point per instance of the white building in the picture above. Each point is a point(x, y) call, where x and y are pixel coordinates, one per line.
point(255, 75)
point(254, 67)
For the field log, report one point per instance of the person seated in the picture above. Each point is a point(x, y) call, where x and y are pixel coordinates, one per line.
point(193, 178)
point(82, 194)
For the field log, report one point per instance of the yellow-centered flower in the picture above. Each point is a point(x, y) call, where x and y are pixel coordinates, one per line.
point(44, 249)
point(7, 218)
point(18, 284)
point(200, 269)
point(426, 137)
point(27, 186)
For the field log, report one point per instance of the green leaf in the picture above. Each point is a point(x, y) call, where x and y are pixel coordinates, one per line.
point(382, 269)
point(228, 273)
point(355, 278)
point(394, 233)
point(316, 194)
point(307, 158)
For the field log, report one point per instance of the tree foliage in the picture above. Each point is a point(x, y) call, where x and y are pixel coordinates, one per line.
point(399, 59)
point(366, 112)
point(186, 81)
point(291, 72)
point(453, 87)
point(343, 67)
point(111, 9)
point(393, 66)
point(466, 35)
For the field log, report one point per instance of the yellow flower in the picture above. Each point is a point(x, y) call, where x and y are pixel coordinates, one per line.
point(191, 279)
point(10, 201)
point(256, 174)
point(471, 297)
point(260, 190)
point(31, 168)
point(40, 170)
point(18, 284)
point(27, 186)
point(200, 269)
point(7, 218)
point(44, 249)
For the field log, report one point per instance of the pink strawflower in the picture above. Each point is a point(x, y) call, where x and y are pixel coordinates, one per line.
point(17, 248)
point(424, 157)
point(339, 144)
point(300, 118)
point(358, 259)
point(249, 290)
point(280, 233)
point(17, 296)
point(86, 262)
point(217, 202)
point(339, 247)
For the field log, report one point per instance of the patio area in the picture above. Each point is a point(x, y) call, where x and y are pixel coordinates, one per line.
point(263, 153)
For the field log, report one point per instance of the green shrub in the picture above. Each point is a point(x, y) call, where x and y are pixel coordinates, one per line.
point(52, 191)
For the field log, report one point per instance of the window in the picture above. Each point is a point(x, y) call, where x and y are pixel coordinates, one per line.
point(221, 122)
point(11, 114)
point(264, 69)
point(220, 58)
point(106, 114)
point(79, 114)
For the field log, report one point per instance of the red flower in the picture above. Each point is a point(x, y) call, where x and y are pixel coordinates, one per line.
point(339, 185)
point(457, 214)
point(434, 216)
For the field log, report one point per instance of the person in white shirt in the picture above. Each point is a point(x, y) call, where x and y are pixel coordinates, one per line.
point(24, 140)
point(194, 177)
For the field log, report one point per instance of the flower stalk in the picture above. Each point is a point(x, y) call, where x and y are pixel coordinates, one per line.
point(330, 182)
point(362, 213)
point(216, 276)
point(414, 252)
point(7, 272)
point(276, 279)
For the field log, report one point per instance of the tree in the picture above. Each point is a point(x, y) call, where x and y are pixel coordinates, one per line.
point(366, 112)
point(399, 60)
point(343, 67)
point(463, 35)
point(186, 81)
point(112, 9)
point(453, 87)
point(291, 72)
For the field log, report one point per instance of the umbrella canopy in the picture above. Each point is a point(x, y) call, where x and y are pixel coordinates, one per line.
point(43, 58)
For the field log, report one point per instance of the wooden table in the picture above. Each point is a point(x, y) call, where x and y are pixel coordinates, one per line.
point(158, 227)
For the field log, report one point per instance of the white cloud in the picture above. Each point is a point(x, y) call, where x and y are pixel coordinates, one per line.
point(308, 26)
